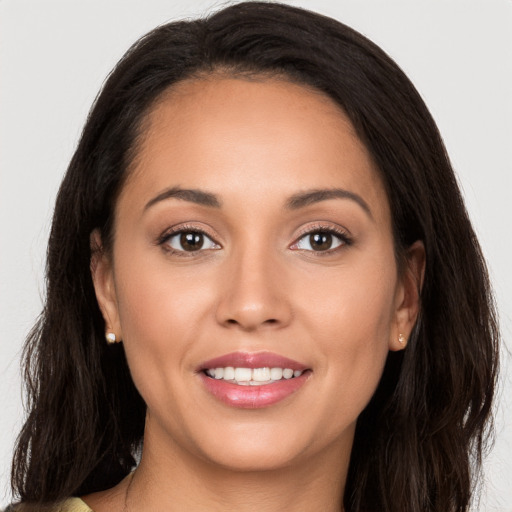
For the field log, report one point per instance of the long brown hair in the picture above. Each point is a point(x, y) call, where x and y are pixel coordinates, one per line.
point(419, 442)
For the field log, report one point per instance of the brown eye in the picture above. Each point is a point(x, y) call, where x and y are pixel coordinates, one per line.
point(320, 240)
point(190, 241)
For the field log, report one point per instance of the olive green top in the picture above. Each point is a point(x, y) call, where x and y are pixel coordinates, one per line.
point(73, 505)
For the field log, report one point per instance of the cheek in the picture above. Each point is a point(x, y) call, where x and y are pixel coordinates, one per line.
point(155, 300)
point(354, 303)
point(160, 315)
point(350, 316)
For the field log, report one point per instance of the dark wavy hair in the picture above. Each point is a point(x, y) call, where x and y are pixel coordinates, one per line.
point(419, 442)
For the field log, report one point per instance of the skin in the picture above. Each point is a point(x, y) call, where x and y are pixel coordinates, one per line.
point(258, 286)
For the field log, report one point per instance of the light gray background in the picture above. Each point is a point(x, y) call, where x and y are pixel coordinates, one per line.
point(54, 56)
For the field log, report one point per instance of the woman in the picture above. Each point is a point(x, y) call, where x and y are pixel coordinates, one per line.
point(262, 276)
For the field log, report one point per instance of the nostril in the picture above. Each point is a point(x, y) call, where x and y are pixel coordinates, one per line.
point(249, 325)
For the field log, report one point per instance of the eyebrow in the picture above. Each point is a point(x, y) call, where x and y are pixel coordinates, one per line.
point(295, 202)
point(186, 194)
point(303, 199)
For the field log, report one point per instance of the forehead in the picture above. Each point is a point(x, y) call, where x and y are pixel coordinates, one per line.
point(239, 137)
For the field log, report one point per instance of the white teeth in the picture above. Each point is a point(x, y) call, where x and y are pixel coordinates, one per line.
point(287, 373)
point(261, 374)
point(252, 377)
point(276, 373)
point(242, 374)
point(229, 373)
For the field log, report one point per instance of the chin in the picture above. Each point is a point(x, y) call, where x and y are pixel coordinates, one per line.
point(267, 447)
point(254, 458)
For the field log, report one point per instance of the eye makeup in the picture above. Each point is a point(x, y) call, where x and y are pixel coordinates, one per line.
point(189, 240)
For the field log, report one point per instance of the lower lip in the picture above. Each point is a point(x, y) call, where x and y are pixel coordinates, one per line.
point(253, 397)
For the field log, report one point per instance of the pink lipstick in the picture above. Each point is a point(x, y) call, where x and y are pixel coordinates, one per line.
point(252, 380)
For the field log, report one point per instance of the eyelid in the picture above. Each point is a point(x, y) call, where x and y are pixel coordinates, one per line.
point(184, 228)
point(342, 233)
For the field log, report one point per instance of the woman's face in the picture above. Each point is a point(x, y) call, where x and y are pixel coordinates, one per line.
point(253, 236)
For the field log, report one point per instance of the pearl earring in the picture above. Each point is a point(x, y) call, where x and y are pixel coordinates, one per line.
point(110, 337)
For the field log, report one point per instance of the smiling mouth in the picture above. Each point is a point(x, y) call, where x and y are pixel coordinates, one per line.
point(252, 376)
point(253, 380)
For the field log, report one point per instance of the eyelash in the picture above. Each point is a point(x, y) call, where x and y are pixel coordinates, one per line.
point(164, 239)
point(343, 236)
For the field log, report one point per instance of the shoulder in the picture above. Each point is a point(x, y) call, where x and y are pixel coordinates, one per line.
point(69, 505)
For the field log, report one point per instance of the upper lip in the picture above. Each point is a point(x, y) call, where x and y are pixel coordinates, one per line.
point(252, 360)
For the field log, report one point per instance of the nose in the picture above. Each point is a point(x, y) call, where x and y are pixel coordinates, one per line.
point(253, 293)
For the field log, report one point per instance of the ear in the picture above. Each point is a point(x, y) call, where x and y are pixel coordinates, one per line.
point(408, 301)
point(103, 280)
